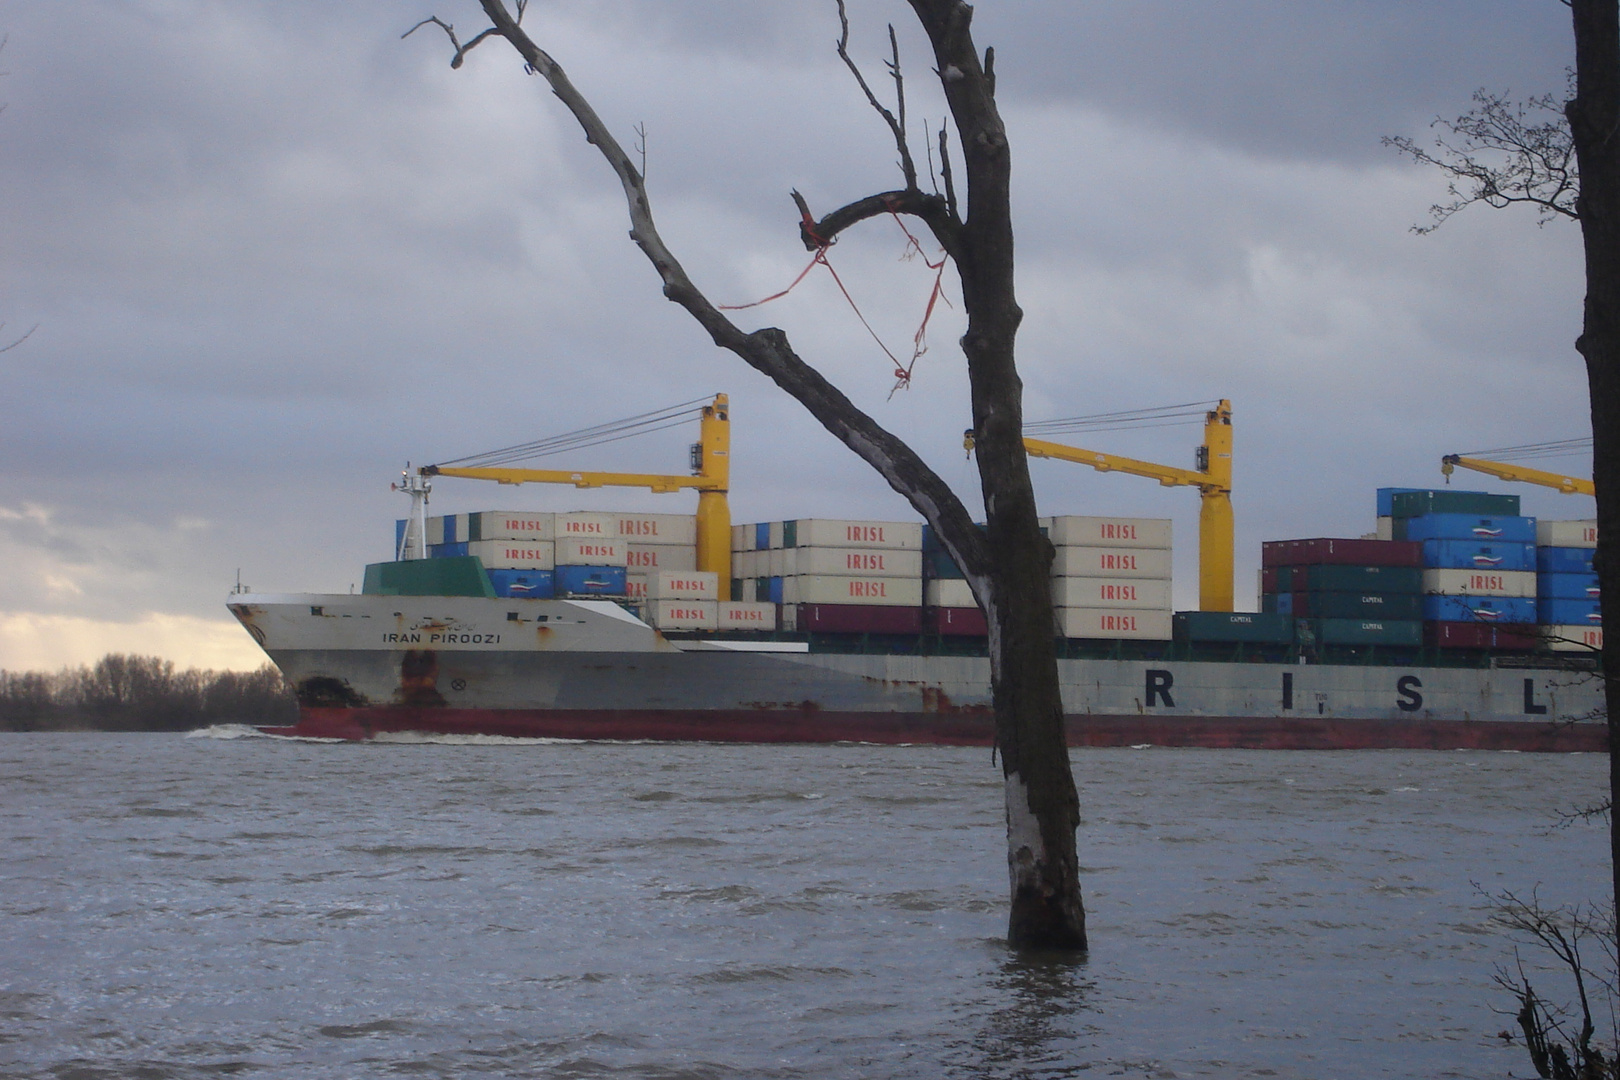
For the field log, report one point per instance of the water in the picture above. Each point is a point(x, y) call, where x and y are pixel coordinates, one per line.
point(197, 907)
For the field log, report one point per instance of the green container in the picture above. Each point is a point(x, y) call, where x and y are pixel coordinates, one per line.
point(1407, 504)
point(460, 576)
point(1367, 631)
point(1362, 605)
point(1234, 626)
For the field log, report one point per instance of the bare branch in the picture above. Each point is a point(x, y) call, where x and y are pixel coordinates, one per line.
point(933, 210)
point(767, 350)
point(908, 168)
point(19, 341)
point(450, 31)
point(945, 172)
point(641, 147)
point(1498, 155)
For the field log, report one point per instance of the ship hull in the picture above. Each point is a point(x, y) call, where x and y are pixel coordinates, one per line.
point(376, 666)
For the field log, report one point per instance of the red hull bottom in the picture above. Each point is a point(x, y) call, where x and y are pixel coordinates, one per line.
point(949, 729)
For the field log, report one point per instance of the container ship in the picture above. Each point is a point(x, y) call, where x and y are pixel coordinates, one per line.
point(1457, 623)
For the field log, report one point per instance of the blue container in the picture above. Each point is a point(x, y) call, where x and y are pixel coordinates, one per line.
point(1560, 560)
point(1473, 555)
point(1277, 603)
point(1485, 530)
point(523, 584)
point(448, 551)
point(762, 536)
point(1570, 613)
point(589, 580)
point(450, 536)
point(1493, 609)
point(776, 590)
point(1567, 587)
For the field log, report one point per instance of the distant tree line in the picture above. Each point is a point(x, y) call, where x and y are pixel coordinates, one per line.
point(142, 693)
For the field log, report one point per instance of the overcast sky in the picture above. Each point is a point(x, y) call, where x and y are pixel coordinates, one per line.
point(273, 252)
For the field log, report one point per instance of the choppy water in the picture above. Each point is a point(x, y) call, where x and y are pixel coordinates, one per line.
point(194, 907)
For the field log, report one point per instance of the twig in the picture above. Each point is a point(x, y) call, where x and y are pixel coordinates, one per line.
point(450, 31)
point(908, 168)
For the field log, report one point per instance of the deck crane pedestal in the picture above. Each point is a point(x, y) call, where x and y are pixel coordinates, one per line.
point(710, 478)
point(1212, 478)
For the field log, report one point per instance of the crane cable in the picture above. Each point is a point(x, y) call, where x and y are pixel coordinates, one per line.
point(1185, 414)
point(1534, 451)
point(612, 431)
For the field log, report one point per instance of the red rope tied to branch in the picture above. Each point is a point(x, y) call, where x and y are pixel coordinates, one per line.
point(919, 342)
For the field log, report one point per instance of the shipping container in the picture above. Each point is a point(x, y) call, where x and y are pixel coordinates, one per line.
point(514, 554)
point(1565, 560)
point(867, 562)
point(1385, 529)
point(1367, 631)
point(447, 528)
point(851, 619)
point(1502, 529)
point(1133, 594)
point(1568, 587)
point(824, 532)
point(1345, 605)
point(1111, 562)
point(1578, 639)
point(657, 528)
point(1074, 531)
point(742, 538)
point(1479, 583)
point(1495, 609)
point(769, 588)
point(1478, 635)
point(1411, 504)
point(1246, 627)
point(844, 589)
point(745, 615)
point(523, 584)
point(428, 577)
point(1334, 578)
point(681, 614)
point(956, 622)
point(647, 558)
point(591, 551)
point(939, 564)
point(1570, 612)
point(1386, 499)
point(590, 580)
point(587, 525)
point(511, 525)
point(767, 534)
point(1093, 623)
point(448, 551)
point(1323, 551)
point(1478, 555)
point(948, 593)
point(635, 586)
point(683, 585)
point(1582, 533)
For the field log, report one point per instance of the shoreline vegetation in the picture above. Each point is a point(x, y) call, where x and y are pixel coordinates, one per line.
point(142, 693)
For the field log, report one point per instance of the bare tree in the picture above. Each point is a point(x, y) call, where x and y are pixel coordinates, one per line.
point(1497, 154)
point(1008, 562)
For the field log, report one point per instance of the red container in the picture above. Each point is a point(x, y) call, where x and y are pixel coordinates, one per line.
point(858, 619)
point(1479, 635)
point(958, 622)
point(1324, 551)
point(1268, 578)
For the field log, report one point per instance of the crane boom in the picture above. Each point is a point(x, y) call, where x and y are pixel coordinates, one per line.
point(1212, 478)
point(1569, 485)
point(711, 479)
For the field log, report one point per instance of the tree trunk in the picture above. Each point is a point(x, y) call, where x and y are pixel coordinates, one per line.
point(1594, 121)
point(1043, 809)
point(1009, 563)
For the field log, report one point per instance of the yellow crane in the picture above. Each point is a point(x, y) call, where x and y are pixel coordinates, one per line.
point(1212, 478)
point(1569, 485)
point(710, 478)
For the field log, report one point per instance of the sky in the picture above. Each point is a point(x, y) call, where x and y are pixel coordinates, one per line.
point(269, 252)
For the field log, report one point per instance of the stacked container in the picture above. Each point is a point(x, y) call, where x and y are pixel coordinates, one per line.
point(1345, 592)
point(1567, 595)
point(654, 543)
point(835, 576)
point(1111, 577)
point(517, 547)
point(1479, 580)
point(950, 608)
point(591, 557)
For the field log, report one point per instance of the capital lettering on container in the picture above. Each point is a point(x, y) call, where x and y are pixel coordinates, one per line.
point(583, 528)
point(860, 560)
point(638, 527)
point(868, 534)
point(1118, 562)
point(868, 588)
point(522, 524)
point(1486, 581)
point(1117, 622)
point(643, 558)
point(1114, 531)
point(1118, 592)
